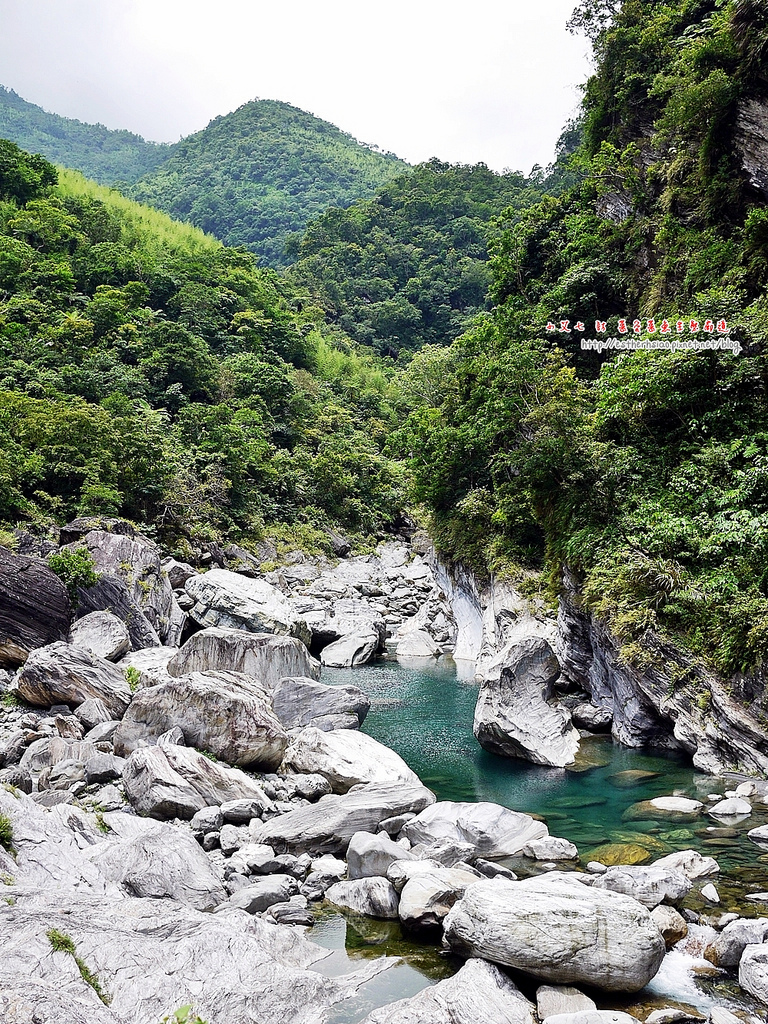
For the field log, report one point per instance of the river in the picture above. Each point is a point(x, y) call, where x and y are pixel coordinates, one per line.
point(424, 712)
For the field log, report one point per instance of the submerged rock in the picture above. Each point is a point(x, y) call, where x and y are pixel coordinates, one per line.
point(558, 929)
point(513, 716)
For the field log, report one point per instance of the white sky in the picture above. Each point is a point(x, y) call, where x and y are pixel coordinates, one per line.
point(491, 80)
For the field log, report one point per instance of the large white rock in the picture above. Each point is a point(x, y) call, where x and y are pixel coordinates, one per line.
point(346, 758)
point(162, 861)
point(64, 674)
point(350, 651)
point(265, 657)
point(689, 863)
point(728, 947)
point(231, 601)
point(648, 883)
point(513, 714)
point(558, 929)
point(734, 807)
point(374, 897)
point(101, 633)
point(370, 854)
point(555, 999)
point(172, 781)
point(427, 896)
point(328, 825)
point(227, 713)
point(551, 848)
point(478, 994)
point(753, 971)
point(759, 836)
point(494, 831)
point(301, 702)
point(151, 663)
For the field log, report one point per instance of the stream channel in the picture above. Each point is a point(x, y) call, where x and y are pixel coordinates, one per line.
point(424, 711)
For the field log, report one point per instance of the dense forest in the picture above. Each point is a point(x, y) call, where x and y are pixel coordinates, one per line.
point(148, 371)
point(409, 267)
point(100, 153)
point(645, 472)
point(252, 177)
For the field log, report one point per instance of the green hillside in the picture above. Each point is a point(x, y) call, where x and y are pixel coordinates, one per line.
point(148, 371)
point(257, 175)
point(101, 154)
point(645, 472)
point(409, 267)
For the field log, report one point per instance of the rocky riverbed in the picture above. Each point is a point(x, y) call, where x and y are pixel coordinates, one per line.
point(183, 794)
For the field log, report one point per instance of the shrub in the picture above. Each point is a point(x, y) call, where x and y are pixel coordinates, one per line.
point(74, 568)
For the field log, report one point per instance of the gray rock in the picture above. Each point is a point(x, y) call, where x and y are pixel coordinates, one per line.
point(18, 777)
point(351, 651)
point(101, 633)
point(163, 862)
point(325, 871)
point(226, 713)
point(689, 863)
point(151, 664)
point(759, 836)
point(559, 930)
point(347, 758)
point(177, 572)
point(592, 1017)
point(92, 712)
point(595, 719)
point(102, 733)
point(294, 911)
point(370, 854)
point(231, 601)
point(328, 825)
point(448, 852)
point(260, 895)
point(62, 775)
point(265, 657)
point(650, 884)
point(478, 994)
point(728, 947)
point(551, 848)
point(554, 999)
point(300, 702)
point(753, 971)
point(427, 896)
point(513, 716)
point(373, 897)
point(34, 607)
point(63, 673)
point(240, 812)
point(308, 787)
point(68, 727)
point(208, 819)
point(230, 839)
point(46, 752)
point(253, 859)
point(735, 807)
point(168, 782)
point(672, 925)
point(103, 768)
point(494, 831)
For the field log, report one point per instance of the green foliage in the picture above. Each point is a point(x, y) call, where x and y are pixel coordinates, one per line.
point(63, 943)
point(409, 267)
point(132, 677)
point(6, 833)
point(75, 568)
point(645, 473)
point(184, 1015)
point(261, 173)
point(107, 156)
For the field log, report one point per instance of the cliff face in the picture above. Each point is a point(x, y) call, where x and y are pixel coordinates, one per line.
point(751, 139)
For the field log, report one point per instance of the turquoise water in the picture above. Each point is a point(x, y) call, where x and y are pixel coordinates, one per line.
point(425, 713)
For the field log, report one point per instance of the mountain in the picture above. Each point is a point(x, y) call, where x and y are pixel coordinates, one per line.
point(644, 473)
point(148, 371)
point(104, 155)
point(252, 177)
point(409, 267)
point(257, 175)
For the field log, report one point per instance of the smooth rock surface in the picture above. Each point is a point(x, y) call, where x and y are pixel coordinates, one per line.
point(513, 716)
point(101, 633)
point(226, 713)
point(672, 925)
point(328, 825)
point(265, 657)
point(494, 831)
point(554, 999)
point(34, 607)
point(648, 883)
point(299, 702)
point(558, 929)
point(478, 994)
point(370, 854)
point(753, 972)
point(347, 758)
point(373, 897)
point(63, 674)
point(728, 947)
point(230, 601)
point(427, 896)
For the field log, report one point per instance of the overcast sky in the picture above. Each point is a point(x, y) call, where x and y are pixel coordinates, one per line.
point(491, 80)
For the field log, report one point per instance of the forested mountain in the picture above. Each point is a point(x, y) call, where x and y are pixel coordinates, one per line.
point(645, 472)
point(252, 177)
point(101, 154)
point(261, 173)
point(148, 371)
point(409, 267)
